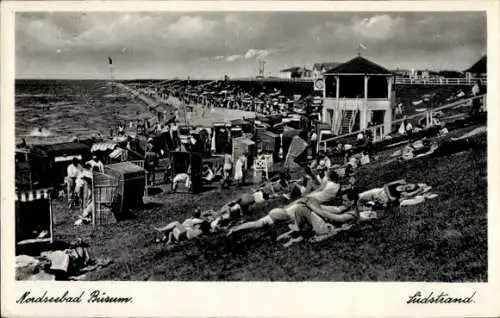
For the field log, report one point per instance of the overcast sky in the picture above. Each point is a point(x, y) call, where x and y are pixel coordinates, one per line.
point(211, 44)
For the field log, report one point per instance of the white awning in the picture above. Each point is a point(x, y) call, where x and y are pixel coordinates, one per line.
point(103, 146)
point(26, 196)
point(67, 158)
point(116, 153)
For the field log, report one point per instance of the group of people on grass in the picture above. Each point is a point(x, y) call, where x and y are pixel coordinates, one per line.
point(319, 205)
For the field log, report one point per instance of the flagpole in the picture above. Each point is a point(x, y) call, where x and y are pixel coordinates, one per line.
point(111, 78)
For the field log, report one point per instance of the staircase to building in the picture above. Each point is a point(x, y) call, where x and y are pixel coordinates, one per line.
point(347, 122)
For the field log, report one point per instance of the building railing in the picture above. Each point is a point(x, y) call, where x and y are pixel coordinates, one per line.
point(439, 81)
point(378, 130)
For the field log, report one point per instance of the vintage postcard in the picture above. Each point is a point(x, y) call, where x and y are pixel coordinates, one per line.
point(257, 159)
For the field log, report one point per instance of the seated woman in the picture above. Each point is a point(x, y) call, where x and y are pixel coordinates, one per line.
point(208, 174)
point(322, 163)
point(300, 187)
point(182, 177)
point(328, 187)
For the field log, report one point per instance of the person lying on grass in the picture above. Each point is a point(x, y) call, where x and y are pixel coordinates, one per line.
point(417, 149)
point(288, 213)
point(319, 222)
point(327, 192)
point(392, 193)
point(276, 215)
point(247, 203)
point(192, 227)
point(243, 206)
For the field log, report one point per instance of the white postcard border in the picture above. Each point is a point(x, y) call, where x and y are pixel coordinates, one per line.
point(189, 299)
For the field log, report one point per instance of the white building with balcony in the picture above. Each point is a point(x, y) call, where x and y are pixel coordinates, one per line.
point(356, 93)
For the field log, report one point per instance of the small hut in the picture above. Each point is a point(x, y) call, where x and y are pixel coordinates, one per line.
point(130, 186)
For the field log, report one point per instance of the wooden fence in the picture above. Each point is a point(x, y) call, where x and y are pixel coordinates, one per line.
point(428, 115)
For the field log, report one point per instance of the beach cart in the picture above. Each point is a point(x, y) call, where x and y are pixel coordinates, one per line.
point(130, 185)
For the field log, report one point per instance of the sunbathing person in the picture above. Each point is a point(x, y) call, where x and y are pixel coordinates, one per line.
point(242, 206)
point(329, 186)
point(392, 193)
point(417, 149)
point(276, 215)
point(176, 232)
point(323, 221)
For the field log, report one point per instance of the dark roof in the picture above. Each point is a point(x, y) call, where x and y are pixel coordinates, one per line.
point(295, 69)
point(479, 67)
point(359, 65)
point(67, 148)
point(291, 69)
point(325, 65)
point(447, 73)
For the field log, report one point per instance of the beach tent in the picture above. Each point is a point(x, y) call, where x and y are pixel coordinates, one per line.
point(54, 160)
point(130, 180)
point(33, 212)
point(221, 137)
point(188, 162)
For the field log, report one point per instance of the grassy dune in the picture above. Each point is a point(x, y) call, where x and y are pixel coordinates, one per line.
point(444, 239)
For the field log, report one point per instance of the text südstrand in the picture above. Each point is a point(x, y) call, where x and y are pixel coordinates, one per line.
point(442, 298)
point(96, 297)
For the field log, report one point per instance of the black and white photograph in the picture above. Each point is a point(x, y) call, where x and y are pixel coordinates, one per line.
point(251, 146)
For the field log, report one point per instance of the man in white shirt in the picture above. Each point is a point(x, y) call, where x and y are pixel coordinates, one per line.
point(313, 144)
point(73, 171)
point(476, 104)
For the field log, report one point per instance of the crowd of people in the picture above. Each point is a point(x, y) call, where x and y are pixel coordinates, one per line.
point(320, 204)
point(230, 95)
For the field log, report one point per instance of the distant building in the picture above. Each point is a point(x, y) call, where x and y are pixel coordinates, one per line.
point(320, 68)
point(404, 73)
point(295, 72)
point(478, 69)
point(450, 74)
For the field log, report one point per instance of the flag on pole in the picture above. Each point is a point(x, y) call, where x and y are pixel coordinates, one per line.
point(110, 60)
point(360, 48)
